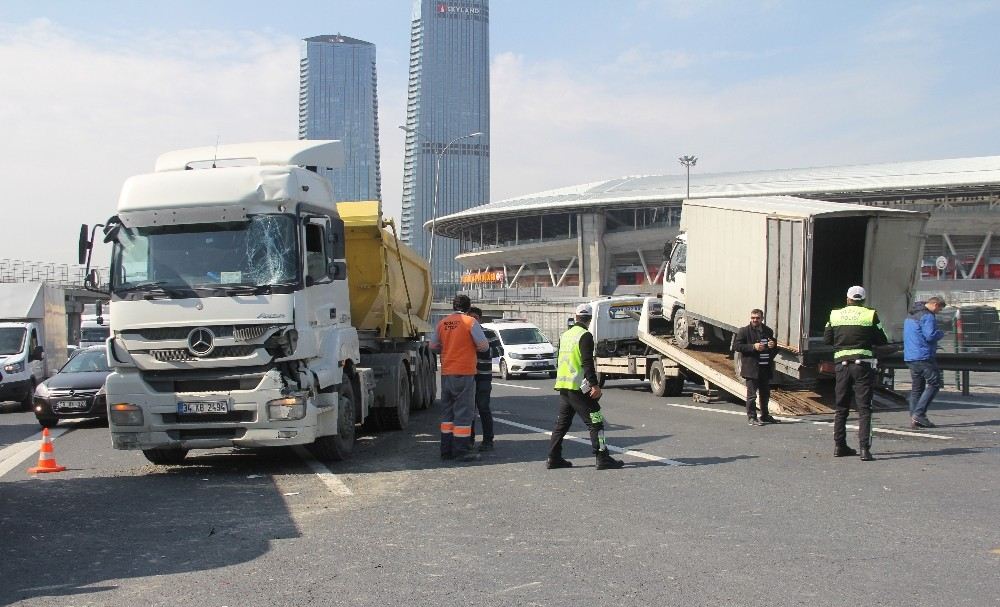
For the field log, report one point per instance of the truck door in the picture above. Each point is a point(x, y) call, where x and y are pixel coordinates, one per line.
point(320, 298)
point(36, 364)
point(892, 260)
point(675, 279)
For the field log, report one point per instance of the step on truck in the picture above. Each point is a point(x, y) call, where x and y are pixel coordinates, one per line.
point(248, 309)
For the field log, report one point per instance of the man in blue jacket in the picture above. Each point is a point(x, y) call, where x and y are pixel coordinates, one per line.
point(920, 339)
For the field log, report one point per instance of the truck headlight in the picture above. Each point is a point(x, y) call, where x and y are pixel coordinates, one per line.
point(17, 367)
point(287, 408)
point(125, 414)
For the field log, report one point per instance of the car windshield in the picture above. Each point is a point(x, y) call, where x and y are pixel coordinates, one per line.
point(87, 361)
point(94, 333)
point(258, 252)
point(527, 335)
point(11, 340)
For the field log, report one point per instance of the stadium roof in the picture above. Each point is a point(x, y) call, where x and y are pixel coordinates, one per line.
point(896, 178)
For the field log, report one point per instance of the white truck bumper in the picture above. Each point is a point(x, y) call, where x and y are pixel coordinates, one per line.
point(247, 423)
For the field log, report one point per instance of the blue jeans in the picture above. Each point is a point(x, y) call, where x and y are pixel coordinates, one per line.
point(926, 380)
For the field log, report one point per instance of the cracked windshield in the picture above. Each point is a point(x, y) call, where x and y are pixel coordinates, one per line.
point(254, 253)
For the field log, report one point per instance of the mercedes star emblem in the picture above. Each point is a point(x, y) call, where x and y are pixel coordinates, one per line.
point(201, 341)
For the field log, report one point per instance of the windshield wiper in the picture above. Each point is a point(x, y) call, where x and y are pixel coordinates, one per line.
point(152, 289)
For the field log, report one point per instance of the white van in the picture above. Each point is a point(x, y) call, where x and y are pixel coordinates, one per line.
point(523, 349)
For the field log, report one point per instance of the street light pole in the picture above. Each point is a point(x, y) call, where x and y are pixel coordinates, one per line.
point(688, 162)
point(437, 179)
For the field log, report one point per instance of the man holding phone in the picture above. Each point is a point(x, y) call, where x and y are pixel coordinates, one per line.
point(755, 346)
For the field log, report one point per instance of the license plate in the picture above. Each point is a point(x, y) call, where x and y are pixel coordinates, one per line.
point(203, 406)
point(71, 405)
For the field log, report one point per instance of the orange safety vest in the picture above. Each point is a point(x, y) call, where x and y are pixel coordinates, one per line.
point(458, 351)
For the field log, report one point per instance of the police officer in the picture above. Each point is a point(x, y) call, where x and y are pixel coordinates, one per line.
point(855, 330)
point(576, 381)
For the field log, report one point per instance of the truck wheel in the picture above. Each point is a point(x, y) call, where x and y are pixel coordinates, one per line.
point(418, 377)
point(29, 401)
point(504, 373)
point(657, 379)
point(431, 378)
point(682, 330)
point(165, 457)
point(397, 417)
point(338, 447)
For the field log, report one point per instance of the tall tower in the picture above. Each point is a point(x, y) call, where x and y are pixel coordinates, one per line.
point(448, 98)
point(338, 100)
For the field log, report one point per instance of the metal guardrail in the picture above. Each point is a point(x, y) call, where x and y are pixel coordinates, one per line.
point(64, 275)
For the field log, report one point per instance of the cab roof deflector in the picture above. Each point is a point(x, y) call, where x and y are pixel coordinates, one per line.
point(311, 153)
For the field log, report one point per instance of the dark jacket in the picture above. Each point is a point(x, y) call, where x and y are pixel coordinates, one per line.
point(855, 337)
point(587, 356)
point(920, 334)
point(743, 344)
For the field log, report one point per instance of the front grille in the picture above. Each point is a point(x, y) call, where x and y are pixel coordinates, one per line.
point(537, 356)
point(237, 332)
point(76, 393)
point(202, 381)
point(232, 417)
point(228, 433)
point(182, 354)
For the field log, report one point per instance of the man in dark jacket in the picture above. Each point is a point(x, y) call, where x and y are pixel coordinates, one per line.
point(755, 346)
point(855, 331)
point(920, 339)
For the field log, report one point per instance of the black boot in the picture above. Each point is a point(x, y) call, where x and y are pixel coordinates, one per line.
point(606, 462)
point(553, 464)
point(866, 455)
point(843, 451)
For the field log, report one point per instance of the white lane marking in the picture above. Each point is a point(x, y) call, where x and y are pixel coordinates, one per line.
point(646, 456)
point(964, 402)
point(12, 455)
point(818, 423)
point(331, 480)
point(496, 383)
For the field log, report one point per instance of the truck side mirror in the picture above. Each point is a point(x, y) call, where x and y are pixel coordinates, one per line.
point(37, 353)
point(84, 244)
point(93, 279)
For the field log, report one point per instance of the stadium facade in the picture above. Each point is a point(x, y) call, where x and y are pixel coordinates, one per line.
point(448, 100)
point(606, 237)
point(338, 99)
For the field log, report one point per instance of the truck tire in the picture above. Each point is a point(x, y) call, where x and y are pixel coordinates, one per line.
point(682, 331)
point(657, 379)
point(417, 379)
point(397, 417)
point(165, 457)
point(338, 447)
point(432, 378)
point(29, 401)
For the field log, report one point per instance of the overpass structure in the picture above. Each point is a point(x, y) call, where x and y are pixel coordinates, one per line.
point(608, 236)
point(68, 276)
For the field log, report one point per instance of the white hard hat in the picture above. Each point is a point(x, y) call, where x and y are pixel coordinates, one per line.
point(856, 293)
point(583, 310)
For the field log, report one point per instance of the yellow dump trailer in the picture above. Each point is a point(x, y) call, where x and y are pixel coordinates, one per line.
point(390, 287)
point(390, 283)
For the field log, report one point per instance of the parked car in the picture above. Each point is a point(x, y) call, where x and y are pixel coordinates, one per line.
point(76, 390)
point(524, 349)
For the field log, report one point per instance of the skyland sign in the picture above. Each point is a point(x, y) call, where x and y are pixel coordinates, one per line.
point(476, 278)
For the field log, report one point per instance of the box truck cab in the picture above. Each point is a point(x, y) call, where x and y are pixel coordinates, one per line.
point(524, 349)
point(94, 330)
point(32, 338)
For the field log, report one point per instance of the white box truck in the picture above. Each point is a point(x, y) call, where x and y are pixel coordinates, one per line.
point(33, 335)
point(248, 309)
point(794, 258)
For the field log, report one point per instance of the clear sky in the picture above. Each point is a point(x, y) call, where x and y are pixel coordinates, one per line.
point(582, 90)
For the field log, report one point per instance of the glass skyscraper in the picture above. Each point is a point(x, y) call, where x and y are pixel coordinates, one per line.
point(448, 98)
point(338, 100)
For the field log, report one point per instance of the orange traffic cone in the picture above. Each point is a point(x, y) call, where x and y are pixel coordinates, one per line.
point(46, 456)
